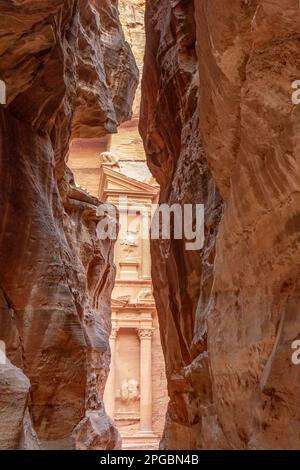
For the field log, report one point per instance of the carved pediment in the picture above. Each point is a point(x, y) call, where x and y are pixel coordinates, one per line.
point(115, 183)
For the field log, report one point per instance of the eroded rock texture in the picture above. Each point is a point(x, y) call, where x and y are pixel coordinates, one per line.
point(68, 72)
point(15, 427)
point(170, 127)
point(229, 315)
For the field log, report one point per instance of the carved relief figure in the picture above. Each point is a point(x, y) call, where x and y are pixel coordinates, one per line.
point(130, 239)
point(129, 391)
point(129, 244)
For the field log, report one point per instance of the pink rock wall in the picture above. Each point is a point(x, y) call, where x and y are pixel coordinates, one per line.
point(219, 127)
point(182, 279)
point(251, 134)
point(68, 72)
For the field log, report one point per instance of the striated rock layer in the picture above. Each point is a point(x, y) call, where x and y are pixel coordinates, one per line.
point(68, 73)
point(182, 279)
point(219, 127)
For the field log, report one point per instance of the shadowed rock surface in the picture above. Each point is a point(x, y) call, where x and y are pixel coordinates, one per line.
point(219, 127)
point(68, 73)
point(182, 279)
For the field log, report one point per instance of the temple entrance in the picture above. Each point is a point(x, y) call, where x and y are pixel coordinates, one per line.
point(136, 390)
point(111, 168)
point(135, 394)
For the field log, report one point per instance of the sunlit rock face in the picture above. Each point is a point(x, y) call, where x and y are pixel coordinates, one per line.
point(68, 72)
point(251, 133)
point(132, 13)
point(126, 146)
point(228, 315)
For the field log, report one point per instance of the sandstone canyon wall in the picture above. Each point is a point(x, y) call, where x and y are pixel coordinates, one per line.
point(220, 128)
point(68, 73)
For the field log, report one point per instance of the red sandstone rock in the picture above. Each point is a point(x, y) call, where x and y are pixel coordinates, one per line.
point(251, 133)
point(182, 280)
point(217, 118)
point(15, 425)
point(67, 69)
point(95, 432)
point(228, 317)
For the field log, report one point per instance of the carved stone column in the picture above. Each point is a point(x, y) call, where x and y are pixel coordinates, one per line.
point(145, 380)
point(146, 257)
point(110, 389)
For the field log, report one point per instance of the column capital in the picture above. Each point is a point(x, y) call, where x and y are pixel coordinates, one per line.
point(114, 333)
point(145, 333)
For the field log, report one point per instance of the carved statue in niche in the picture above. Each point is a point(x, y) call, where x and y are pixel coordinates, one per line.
point(130, 239)
point(129, 391)
point(144, 295)
point(130, 244)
